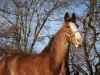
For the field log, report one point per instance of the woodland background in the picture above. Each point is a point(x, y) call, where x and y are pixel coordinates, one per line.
point(27, 25)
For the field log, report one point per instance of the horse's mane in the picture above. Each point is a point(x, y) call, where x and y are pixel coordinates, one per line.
point(47, 48)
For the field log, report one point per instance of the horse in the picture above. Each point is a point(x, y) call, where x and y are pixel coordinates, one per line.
point(50, 60)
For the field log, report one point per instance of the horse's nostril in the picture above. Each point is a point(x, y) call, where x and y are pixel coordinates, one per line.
point(77, 40)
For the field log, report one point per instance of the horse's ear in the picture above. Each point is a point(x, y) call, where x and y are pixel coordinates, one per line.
point(66, 16)
point(73, 16)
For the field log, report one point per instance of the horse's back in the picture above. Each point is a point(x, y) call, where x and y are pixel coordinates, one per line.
point(10, 64)
point(25, 64)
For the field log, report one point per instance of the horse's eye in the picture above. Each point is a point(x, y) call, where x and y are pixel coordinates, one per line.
point(67, 26)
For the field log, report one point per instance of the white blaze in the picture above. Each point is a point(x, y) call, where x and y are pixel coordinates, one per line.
point(78, 38)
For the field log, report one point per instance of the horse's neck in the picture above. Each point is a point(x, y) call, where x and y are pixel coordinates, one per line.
point(59, 47)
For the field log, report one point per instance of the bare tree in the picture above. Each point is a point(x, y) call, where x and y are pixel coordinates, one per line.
point(88, 63)
point(23, 20)
point(26, 18)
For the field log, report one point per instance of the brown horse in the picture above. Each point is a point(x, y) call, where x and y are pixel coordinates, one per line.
point(48, 62)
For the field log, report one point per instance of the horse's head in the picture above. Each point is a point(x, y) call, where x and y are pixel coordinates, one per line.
point(72, 31)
